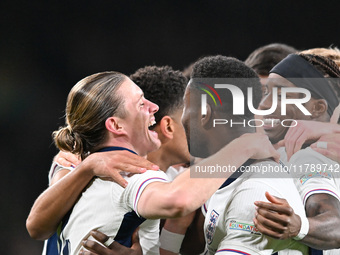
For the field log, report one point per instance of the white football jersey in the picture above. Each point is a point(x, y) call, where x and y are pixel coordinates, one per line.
point(111, 209)
point(229, 227)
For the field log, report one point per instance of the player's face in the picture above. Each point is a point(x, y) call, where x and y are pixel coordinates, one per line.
point(191, 120)
point(186, 115)
point(179, 139)
point(140, 115)
point(272, 123)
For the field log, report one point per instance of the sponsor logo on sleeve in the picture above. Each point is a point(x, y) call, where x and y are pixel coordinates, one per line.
point(306, 177)
point(237, 225)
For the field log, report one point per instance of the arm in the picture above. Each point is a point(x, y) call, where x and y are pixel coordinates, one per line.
point(51, 206)
point(323, 212)
point(306, 132)
point(333, 146)
point(278, 220)
point(186, 194)
point(173, 232)
point(194, 241)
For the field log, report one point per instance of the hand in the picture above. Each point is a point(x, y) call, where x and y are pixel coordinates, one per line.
point(305, 132)
point(259, 145)
point(94, 248)
point(333, 146)
point(336, 115)
point(67, 159)
point(276, 219)
point(109, 165)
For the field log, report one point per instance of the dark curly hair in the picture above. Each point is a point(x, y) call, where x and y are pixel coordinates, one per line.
point(229, 67)
point(263, 59)
point(163, 86)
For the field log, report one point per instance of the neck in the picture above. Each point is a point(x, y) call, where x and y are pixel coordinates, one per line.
point(229, 134)
point(122, 143)
point(160, 158)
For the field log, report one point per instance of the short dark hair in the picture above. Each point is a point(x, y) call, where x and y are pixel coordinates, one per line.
point(263, 59)
point(229, 67)
point(163, 86)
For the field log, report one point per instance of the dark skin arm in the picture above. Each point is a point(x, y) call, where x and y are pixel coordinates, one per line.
point(194, 241)
point(278, 220)
point(323, 212)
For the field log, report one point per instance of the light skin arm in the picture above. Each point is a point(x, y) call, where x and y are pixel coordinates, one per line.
point(185, 194)
point(278, 220)
point(52, 205)
point(306, 132)
point(333, 146)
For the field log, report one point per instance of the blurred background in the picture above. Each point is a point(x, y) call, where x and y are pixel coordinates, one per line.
point(47, 46)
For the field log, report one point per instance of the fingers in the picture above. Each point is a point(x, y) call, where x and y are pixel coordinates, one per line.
point(129, 162)
point(67, 159)
point(336, 115)
point(280, 143)
point(135, 242)
point(117, 178)
point(110, 164)
point(273, 218)
point(135, 237)
point(297, 145)
point(277, 208)
point(291, 138)
point(273, 199)
point(266, 231)
point(275, 154)
point(85, 252)
point(99, 236)
point(276, 157)
point(273, 221)
point(333, 146)
point(327, 153)
point(139, 162)
point(93, 248)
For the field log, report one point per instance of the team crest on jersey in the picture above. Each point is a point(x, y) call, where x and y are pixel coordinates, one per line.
point(307, 177)
point(211, 226)
point(236, 225)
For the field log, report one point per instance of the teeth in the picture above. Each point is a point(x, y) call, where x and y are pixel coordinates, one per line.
point(151, 123)
point(271, 121)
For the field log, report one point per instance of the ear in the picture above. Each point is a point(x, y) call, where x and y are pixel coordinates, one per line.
point(319, 108)
point(206, 117)
point(167, 127)
point(114, 126)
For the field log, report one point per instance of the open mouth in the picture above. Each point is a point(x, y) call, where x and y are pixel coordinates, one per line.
point(271, 123)
point(153, 133)
point(152, 122)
